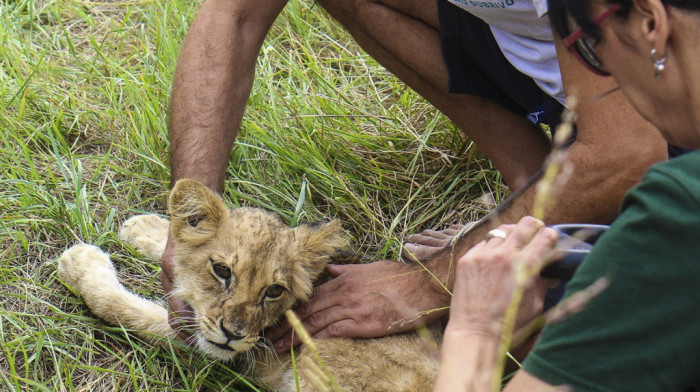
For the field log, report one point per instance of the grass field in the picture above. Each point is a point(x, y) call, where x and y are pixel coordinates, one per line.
point(84, 89)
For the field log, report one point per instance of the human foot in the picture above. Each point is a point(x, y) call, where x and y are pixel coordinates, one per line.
point(423, 246)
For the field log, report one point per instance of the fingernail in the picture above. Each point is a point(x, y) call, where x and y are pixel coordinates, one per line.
point(550, 231)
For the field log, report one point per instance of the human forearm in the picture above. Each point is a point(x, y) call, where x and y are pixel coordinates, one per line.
point(467, 361)
point(212, 83)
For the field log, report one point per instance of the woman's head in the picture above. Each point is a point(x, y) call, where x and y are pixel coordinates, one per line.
point(650, 47)
point(580, 12)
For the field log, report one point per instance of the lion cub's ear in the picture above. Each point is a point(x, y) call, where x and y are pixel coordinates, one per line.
point(317, 244)
point(195, 211)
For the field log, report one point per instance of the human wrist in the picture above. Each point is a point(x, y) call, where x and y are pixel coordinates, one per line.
point(468, 360)
point(474, 328)
point(439, 276)
point(434, 279)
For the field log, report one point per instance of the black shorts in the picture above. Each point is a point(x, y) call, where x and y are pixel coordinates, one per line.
point(476, 66)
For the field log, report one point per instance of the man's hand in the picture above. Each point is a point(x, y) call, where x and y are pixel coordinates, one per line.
point(179, 314)
point(368, 300)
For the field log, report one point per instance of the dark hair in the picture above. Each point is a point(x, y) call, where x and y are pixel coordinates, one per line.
point(579, 11)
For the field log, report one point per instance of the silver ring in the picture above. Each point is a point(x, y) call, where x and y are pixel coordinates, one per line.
point(496, 233)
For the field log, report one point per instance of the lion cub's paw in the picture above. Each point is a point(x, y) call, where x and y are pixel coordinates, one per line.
point(146, 233)
point(84, 265)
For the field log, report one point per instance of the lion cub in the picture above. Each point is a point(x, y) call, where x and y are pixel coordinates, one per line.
point(240, 270)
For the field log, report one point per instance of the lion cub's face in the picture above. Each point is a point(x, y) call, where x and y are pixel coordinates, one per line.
point(241, 269)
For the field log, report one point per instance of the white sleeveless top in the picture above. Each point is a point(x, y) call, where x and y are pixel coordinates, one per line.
point(523, 32)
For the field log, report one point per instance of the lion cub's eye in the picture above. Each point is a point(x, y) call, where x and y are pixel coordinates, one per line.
point(222, 271)
point(274, 291)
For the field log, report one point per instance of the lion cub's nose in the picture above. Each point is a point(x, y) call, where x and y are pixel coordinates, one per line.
point(231, 335)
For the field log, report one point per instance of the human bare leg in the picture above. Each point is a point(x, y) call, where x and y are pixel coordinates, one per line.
point(404, 37)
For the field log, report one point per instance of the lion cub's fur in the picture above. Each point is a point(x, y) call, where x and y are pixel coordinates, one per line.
point(240, 270)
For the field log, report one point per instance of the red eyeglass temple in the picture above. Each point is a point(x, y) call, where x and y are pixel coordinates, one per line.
point(578, 33)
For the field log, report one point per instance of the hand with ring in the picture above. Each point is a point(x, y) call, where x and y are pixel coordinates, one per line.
point(486, 276)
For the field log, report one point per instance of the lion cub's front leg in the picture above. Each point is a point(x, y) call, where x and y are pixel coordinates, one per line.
point(89, 271)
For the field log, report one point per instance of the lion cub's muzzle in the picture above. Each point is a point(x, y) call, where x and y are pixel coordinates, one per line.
point(234, 338)
point(225, 341)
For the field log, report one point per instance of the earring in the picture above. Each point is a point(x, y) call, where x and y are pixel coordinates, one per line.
point(659, 65)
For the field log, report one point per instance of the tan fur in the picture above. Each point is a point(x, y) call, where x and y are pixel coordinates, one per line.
point(264, 257)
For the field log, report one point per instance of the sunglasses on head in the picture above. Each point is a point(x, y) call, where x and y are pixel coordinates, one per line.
point(579, 44)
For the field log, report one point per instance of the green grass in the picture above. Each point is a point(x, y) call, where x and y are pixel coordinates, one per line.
point(84, 89)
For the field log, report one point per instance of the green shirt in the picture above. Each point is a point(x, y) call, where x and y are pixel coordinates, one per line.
point(643, 332)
